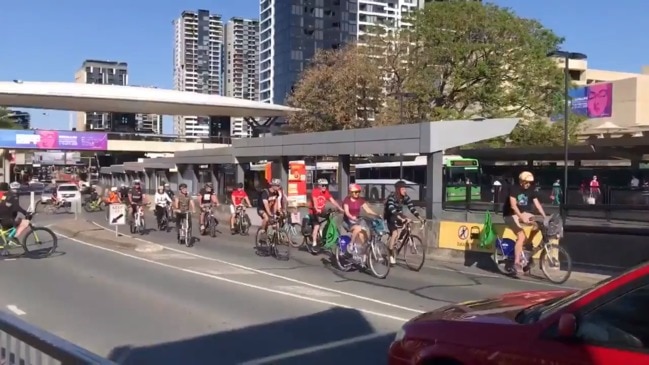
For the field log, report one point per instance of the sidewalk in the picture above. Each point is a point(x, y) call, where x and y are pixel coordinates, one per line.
point(86, 230)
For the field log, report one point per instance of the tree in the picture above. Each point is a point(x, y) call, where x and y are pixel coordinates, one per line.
point(6, 122)
point(341, 89)
point(479, 60)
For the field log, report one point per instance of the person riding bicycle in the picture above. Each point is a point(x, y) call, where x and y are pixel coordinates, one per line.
point(239, 198)
point(353, 205)
point(162, 200)
point(517, 213)
point(267, 205)
point(113, 196)
point(319, 199)
point(282, 201)
point(393, 214)
point(136, 197)
point(123, 192)
point(169, 191)
point(9, 209)
point(183, 204)
point(208, 200)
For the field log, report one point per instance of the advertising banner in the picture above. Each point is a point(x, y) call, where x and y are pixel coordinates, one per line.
point(592, 101)
point(53, 140)
point(296, 194)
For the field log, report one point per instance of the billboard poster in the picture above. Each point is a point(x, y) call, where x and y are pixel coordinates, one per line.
point(53, 140)
point(296, 194)
point(592, 101)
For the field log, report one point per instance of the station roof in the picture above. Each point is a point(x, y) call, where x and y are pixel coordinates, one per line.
point(577, 152)
point(129, 99)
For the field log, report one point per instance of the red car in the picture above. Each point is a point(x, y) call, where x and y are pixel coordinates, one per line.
point(606, 324)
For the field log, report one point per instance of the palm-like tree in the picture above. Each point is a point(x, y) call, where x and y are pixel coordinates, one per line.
point(6, 122)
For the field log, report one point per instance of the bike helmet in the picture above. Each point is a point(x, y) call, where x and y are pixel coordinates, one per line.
point(275, 182)
point(122, 185)
point(166, 185)
point(354, 188)
point(113, 189)
point(323, 182)
point(136, 182)
point(526, 176)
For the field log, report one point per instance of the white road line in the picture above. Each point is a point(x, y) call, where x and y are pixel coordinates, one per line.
point(309, 350)
point(304, 283)
point(305, 290)
point(239, 283)
point(15, 310)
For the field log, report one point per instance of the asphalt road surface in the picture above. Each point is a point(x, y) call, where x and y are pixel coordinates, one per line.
point(218, 302)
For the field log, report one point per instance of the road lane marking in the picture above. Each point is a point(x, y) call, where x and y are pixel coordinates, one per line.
point(305, 290)
point(239, 283)
point(295, 281)
point(15, 310)
point(313, 349)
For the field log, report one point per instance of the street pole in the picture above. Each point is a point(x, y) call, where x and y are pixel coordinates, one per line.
point(566, 116)
point(401, 122)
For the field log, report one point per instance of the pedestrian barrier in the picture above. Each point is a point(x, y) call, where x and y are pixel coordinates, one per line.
point(24, 344)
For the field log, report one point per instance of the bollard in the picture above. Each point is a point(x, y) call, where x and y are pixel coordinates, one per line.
point(32, 202)
point(76, 208)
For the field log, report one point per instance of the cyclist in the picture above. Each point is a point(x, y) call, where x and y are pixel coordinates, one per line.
point(239, 198)
point(267, 205)
point(517, 213)
point(183, 204)
point(113, 196)
point(136, 197)
point(169, 191)
point(162, 200)
point(282, 201)
point(9, 209)
point(353, 205)
point(319, 199)
point(208, 200)
point(123, 192)
point(393, 214)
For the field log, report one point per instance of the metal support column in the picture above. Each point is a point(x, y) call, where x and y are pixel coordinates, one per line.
point(344, 166)
point(280, 171)
point(240, 173)
point(434, 193)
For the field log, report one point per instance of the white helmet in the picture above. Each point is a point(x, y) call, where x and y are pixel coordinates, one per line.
point(275, 182)
point(526, 176)
point(323, 182)
point(113, 189)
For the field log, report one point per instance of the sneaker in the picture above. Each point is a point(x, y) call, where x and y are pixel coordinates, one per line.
point(393, 261)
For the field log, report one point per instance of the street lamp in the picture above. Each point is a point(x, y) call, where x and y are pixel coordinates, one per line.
point(567, 56)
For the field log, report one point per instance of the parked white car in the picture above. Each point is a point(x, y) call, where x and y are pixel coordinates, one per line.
point(69, 192)
point(46, 196)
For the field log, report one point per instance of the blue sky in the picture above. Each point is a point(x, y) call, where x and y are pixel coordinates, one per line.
point(45, 40)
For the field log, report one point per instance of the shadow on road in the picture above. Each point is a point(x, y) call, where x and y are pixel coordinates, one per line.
point(335, 336)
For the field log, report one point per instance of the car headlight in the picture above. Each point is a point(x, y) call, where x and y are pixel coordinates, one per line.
point(401, 333)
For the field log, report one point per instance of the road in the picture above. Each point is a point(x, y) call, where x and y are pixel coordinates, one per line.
point(220, 303)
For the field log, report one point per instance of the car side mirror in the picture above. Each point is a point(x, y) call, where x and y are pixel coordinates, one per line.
point(567, 327)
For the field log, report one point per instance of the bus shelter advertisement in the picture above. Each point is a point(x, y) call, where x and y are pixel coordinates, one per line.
point(296, 194)
point(53, 140)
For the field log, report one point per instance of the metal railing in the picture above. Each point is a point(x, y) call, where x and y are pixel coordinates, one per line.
point(24, 344)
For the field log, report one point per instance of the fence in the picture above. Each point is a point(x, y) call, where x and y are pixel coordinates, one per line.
point(24, 344)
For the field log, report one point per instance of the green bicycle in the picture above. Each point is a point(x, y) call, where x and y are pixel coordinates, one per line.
point(37, 234)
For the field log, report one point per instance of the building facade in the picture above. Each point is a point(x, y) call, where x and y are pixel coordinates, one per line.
point(198, 48)
point(241, 63)
point(23, 119)
point(103, 73)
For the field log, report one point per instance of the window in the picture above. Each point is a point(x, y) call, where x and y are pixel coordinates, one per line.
point(620, 323)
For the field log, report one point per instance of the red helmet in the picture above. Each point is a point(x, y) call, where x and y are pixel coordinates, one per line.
point(354, 187)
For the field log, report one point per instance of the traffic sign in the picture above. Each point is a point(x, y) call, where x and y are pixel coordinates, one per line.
point(463, 232)
point(117, 214)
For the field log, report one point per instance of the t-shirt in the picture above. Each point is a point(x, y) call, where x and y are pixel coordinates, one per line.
point(136, 195)
point(205, 196)
point(524, 200)
point(354, 206)
point(271, 197)
point(321, 198)
point(238, 196)
point(183, 202)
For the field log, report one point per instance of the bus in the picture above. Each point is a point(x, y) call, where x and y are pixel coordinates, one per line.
point(458, 171)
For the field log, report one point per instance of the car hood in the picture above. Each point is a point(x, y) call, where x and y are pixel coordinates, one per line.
point(501, 309)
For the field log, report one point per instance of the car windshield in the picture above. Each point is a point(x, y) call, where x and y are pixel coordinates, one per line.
point(68, 188)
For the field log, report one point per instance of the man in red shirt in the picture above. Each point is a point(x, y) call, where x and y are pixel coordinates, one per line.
point(319, 198)
point(239, 197)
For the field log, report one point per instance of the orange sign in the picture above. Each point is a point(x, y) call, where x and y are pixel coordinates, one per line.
point(296, 194)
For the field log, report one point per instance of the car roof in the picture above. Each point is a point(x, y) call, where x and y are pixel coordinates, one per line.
point(75, 185)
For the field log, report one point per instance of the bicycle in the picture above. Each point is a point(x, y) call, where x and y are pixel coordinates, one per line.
point(10, 241)
point(410, 242)
point(293, 228)
point(93, 205)
point(138, 224)
point(185, 232)
point(307, 234)
point(274, 240)
point(163, 220)
point(551, 231)
point(241, 221)
point(53, 207)
point(375, 253)
point(210, 222)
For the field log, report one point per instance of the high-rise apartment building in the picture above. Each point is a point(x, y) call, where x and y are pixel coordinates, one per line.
point(104, 73)
point(241, 63)
point(198, 68)
point(148, 123)
point(392, 13)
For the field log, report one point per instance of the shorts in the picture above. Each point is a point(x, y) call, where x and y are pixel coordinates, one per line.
point(348, 225)
point(261, 213)
point(8, 224)
point(513, 222)
point(394, 223)
point(233, 208)
point(317, 218)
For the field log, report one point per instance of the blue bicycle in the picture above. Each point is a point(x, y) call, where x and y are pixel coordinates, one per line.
point(373, 256)
point(554, 258)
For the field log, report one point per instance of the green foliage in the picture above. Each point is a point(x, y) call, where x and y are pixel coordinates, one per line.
point(6, 122)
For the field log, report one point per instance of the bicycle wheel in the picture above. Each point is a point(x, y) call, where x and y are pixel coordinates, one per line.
point(244, 228)
point(212, 227)
point(294, 234)
point(553, 263)
point(44, 242)
point(261, 242)
point(414, 246)
point(282, 246)
point(189, 239)
point(342, 261)
point(378, 259)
